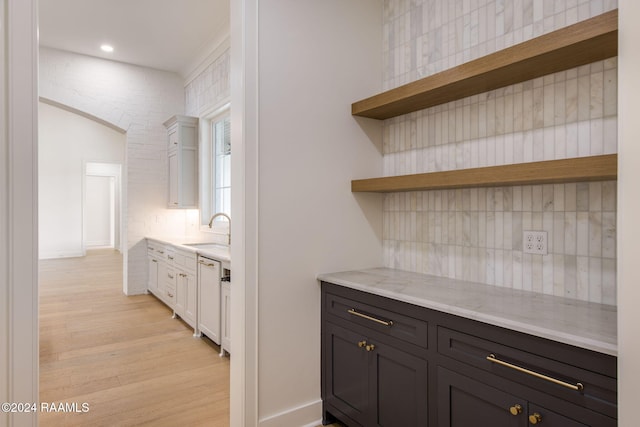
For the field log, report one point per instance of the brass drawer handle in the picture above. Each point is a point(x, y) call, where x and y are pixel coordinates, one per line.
point(373, 319)
point(577, 387)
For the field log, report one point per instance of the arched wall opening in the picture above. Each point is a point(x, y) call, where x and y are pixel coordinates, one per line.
point(68, 143)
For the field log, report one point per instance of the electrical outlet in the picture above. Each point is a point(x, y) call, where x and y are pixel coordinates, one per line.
point(534, 242)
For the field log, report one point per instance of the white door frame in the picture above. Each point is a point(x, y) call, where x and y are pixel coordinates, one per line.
point(19, 208)
point(113, 170)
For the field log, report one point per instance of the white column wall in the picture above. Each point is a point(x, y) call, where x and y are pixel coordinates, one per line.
point(138, 100)
point(18, 209)
point(313, 60)
point(628, 213)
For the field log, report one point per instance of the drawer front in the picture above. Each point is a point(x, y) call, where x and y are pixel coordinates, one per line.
point(170, 255)
point(185, 260)
point(155, 248)
point(559, 378)
point(387, 322)
point(170, 296)
point(172, 278)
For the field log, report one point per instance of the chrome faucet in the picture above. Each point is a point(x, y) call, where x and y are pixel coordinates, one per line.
point(224, 215)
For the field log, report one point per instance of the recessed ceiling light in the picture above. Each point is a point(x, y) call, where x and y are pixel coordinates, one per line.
point(106, 48)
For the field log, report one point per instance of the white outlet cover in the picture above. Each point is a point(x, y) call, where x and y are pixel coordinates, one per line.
point(534, 242)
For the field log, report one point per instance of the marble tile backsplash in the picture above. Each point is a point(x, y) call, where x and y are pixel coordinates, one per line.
point(424, 37)
point(476, 234)
point(568, 114)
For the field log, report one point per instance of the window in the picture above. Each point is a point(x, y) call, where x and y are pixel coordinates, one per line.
point(221, 142)
point(215, 167)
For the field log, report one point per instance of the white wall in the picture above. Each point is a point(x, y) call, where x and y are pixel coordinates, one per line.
point(138, 100)
point(66, 142)
point(628, 214)
point(314, 59)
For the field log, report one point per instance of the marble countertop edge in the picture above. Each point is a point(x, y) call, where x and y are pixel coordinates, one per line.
point(220, 254)
point(521, 315)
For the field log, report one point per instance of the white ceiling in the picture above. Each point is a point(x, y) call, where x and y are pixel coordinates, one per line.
point(171, 35)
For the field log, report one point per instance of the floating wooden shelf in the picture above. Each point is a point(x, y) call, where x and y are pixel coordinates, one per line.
point(582, 43)
point(595, 168)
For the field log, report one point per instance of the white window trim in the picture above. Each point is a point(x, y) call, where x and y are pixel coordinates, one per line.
point(207, 168)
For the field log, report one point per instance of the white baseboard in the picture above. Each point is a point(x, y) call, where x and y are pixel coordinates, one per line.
point(54, 255)
point(99, 244)
point(302, 416)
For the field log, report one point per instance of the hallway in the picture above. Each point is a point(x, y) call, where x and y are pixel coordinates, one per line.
point(124, 356)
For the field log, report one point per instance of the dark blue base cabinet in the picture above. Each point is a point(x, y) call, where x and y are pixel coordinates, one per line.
point(391, 364)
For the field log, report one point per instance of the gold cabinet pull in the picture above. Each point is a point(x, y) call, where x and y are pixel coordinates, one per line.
point(370, 347)
point(577, 387)
point(373, 319)
point(516, 409)
point(535, 418)
point(362, 343)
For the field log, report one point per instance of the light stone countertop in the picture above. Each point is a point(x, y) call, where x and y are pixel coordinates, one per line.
point(210, 250)
point(578, 323)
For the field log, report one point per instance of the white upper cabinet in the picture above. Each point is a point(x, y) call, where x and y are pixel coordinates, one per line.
point(182, 140)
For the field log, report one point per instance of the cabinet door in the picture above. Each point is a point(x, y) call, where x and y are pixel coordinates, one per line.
point(174, 179)
point(162, 280)
point(209, 299)
point(152, 282)
point(347, 372)
point(399, 386)
point(464, 402)
point(191, 298)
point(181, 294)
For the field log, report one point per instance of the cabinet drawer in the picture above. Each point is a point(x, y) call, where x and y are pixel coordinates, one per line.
point(185, 260)
point(171, 278)
point(156, 248)
point(171, 296)
point(387, 322)
point(561, 378)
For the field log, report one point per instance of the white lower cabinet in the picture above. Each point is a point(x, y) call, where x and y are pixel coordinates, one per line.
point(157, 269)
point(209, 298)
point(196, 288)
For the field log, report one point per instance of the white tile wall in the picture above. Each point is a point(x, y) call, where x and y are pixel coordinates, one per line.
point(210, 87)
point(476, 234)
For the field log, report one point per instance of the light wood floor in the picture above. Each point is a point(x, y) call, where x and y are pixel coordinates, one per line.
point(124, 356)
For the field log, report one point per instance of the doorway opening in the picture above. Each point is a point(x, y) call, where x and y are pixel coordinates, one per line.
point(101, 206)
